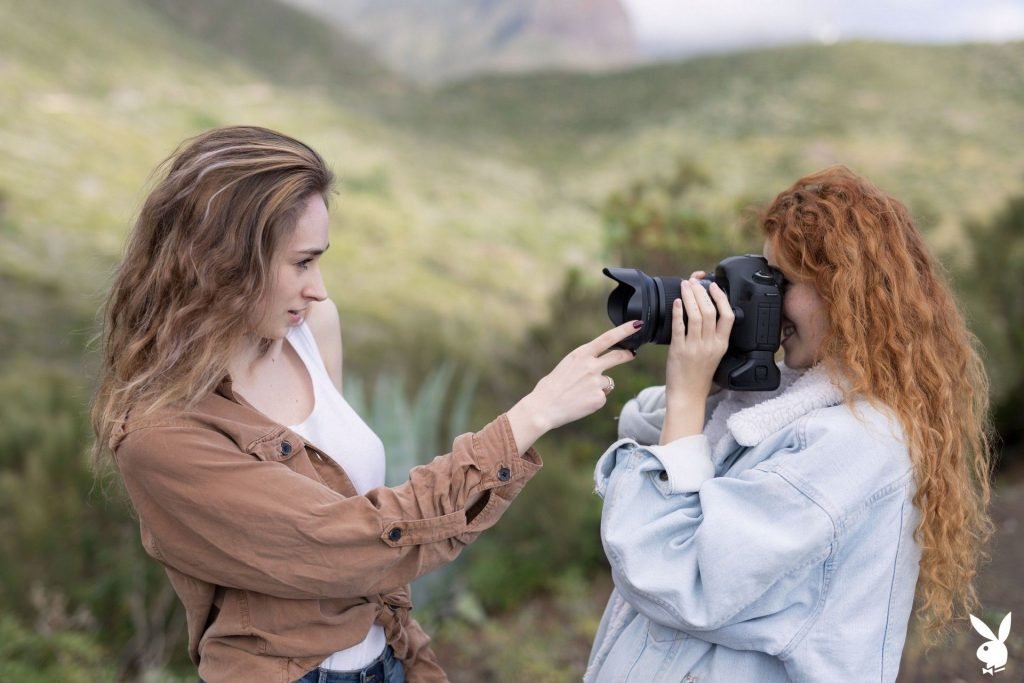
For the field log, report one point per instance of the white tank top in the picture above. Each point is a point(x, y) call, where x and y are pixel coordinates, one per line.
point(338, 431)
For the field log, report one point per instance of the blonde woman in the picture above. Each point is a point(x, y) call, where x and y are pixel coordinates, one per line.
point(782, 536)
point(257, 487)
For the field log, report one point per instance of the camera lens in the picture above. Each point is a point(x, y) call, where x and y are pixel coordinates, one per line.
point(639, 296)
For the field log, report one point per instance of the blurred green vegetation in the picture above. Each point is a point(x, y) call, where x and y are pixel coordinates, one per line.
point(990, 280)
point(470, 227)
point(31, 656)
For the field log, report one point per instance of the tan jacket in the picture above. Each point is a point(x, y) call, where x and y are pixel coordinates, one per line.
point(277, 560)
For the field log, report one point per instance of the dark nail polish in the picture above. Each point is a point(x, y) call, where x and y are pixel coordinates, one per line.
point(638, 324)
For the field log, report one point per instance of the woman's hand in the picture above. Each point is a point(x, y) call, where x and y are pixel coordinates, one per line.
point(576, 387)
point(697, 348)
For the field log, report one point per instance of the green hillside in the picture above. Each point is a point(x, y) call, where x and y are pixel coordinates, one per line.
point(941, 126)
point(265, 35)
point(460, 208)
point(429, 240)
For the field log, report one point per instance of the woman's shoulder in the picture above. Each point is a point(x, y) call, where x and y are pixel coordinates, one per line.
point(214, 419)
point(859, 424)
point(323, 319)
point(325, 325)
point(850, 454)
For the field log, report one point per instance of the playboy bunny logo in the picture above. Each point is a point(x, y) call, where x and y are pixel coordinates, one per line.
point(993, 652)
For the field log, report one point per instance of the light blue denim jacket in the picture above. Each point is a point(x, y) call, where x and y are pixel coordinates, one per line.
point(776, 546)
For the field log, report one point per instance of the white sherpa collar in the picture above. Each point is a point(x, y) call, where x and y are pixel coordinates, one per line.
point(810, 391)
point(747, 417)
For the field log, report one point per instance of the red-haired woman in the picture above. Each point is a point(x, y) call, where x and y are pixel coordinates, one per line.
point(782, 536)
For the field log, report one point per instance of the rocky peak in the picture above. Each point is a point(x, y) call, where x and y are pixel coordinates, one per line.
point(444, 39)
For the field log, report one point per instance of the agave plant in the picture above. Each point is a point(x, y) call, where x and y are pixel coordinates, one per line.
point(416, 427)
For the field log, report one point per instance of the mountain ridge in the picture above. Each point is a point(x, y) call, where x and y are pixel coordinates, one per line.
point(441, 40)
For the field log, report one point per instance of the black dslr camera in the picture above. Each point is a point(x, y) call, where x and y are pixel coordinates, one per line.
point(755, 292)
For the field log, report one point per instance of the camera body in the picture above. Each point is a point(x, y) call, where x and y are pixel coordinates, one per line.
point(755, 292)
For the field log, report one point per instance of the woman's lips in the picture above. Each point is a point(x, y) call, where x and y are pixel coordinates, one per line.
point(788, 330)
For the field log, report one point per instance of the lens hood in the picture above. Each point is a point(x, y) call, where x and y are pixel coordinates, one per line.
point(639, 296)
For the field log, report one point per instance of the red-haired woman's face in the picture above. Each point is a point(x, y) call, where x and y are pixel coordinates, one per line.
point(804, 320)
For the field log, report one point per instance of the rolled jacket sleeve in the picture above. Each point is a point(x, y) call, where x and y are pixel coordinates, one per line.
point(680, 466)
point(222, 515)
point(686, 464)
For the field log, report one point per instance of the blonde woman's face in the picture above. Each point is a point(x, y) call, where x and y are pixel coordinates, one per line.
point(804, 320)
point(297, 280)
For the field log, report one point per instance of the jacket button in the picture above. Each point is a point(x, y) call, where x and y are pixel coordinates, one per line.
point(286, 448)
point(504, 474)
point(395, 535)
point(663, 475)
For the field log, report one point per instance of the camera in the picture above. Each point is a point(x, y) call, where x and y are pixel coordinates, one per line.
point(755, 292)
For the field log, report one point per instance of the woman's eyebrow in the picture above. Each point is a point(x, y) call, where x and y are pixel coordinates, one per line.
point(313, 251)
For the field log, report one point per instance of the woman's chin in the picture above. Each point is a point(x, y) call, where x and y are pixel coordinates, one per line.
point(793, 361)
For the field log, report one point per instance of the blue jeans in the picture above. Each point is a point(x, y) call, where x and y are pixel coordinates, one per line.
point(384, 669)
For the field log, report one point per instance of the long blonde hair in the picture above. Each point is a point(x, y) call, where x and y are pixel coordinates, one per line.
point(900, 339)
point(196, 266)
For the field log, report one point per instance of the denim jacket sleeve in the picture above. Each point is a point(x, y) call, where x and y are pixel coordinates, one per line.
point(712, 556)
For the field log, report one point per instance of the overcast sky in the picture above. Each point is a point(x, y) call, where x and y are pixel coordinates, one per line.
point(692, 26)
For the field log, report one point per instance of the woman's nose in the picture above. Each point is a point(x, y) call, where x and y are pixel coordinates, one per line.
point(316, 290)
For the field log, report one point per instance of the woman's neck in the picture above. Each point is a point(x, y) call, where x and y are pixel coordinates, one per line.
point(255, 355)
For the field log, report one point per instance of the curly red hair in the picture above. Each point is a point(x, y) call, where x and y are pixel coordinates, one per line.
point(897, 335)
